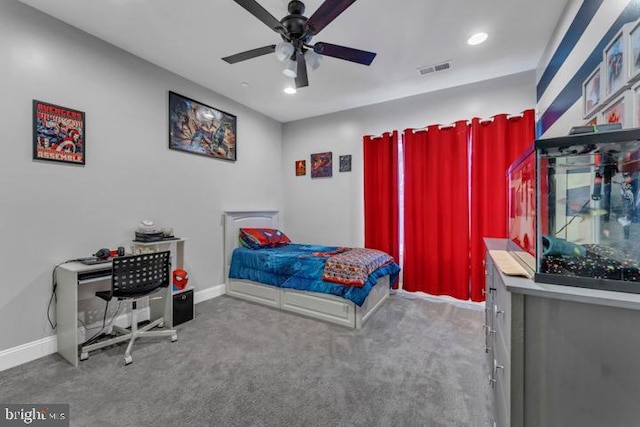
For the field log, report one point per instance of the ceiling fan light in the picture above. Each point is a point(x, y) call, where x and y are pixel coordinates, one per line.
point(290, 68)
point(313, 59)
point(284, 50)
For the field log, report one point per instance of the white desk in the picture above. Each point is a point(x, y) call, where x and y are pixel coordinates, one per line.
point(70, 277)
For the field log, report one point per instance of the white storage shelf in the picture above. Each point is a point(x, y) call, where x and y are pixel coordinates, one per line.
point(164, 306)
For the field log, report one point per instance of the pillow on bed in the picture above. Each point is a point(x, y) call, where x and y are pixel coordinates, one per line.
point(256, 238)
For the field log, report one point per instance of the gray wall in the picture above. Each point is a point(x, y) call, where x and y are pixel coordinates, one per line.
point(331, 210)
point(52, 212)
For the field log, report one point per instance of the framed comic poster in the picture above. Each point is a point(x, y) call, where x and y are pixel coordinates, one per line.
point(614, 63)
point(197, 128)
point(321, 165)
point(591, 93)
point(58, 133)
point(301, 167)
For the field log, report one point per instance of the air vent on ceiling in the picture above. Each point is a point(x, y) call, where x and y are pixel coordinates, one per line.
point(433, 68)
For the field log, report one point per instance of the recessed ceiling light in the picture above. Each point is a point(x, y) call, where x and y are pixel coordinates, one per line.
point(477, 38)
point(290, 90)
point(244, 84)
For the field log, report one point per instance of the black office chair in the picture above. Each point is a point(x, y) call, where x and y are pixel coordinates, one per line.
point(133, 278)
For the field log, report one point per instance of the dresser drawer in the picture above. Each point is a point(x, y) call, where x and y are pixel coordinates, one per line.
point(501, 366)
point(502, 313)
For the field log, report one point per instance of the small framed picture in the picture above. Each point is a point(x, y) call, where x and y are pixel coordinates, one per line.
point(321, 165)
point(345, 163)
point(614, 64)
point(634, 52)
point(619, 111)
point(58, 133)
point(591, 93)
point(301, 167)
point(635, 94)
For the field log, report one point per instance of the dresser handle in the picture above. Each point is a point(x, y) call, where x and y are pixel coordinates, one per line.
point(487, 328)
point(487, 348)
point(492, 381)
point(497, 311)
point(496, 366)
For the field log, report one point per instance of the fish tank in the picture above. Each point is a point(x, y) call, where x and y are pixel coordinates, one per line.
point(579, 196)
point(521, 185)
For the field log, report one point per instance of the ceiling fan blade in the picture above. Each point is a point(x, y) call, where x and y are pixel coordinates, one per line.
point(261, 13)
point(327, 12)
point(302, 79)
point(253, 53)
point(347, 53)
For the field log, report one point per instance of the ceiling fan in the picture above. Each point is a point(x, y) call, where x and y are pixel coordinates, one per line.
point(296, 31)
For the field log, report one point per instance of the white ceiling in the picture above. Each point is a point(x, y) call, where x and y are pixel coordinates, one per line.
point(189, 37)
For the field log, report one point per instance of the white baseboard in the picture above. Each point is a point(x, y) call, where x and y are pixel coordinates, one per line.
point(209, 293)
point(24, 353)
point(442, 298)
point(27, 352)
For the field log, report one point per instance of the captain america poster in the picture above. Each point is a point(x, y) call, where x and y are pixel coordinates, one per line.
point(58, 133)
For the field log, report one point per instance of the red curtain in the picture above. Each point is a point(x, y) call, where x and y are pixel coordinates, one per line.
point(381, 193)
point(436, 211)
point(495, 145)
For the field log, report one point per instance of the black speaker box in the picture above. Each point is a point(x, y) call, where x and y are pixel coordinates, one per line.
point(182, 307)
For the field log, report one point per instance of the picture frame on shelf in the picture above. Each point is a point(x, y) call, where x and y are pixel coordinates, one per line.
point(614, 63)
point(634, 52)
point(635, 94)
point(58, 134)
point(322, 165)
point(619, 110)
point(592, 93)
point(198, 128)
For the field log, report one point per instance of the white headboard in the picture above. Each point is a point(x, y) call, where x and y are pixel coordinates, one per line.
point(234, 220)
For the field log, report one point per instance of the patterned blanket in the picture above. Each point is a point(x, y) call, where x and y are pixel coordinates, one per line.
point(354, 266)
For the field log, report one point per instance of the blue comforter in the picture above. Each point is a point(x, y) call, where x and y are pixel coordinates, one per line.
point(294, 266)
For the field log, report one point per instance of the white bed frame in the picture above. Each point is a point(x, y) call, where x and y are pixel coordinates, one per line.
point(325, 307)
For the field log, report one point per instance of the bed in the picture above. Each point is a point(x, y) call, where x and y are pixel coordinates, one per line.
point(329, 308)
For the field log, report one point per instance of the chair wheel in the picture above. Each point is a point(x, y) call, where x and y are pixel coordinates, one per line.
point(84, 356)
point(128, 360)
point(174, 338)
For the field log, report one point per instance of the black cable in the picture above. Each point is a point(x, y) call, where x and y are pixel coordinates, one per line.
point(577, 214)
point(104, 324)
point(104, 319)
point(54, 286)
point(83, 325)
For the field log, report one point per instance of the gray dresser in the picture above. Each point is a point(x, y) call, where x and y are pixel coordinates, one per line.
point(559, 355)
